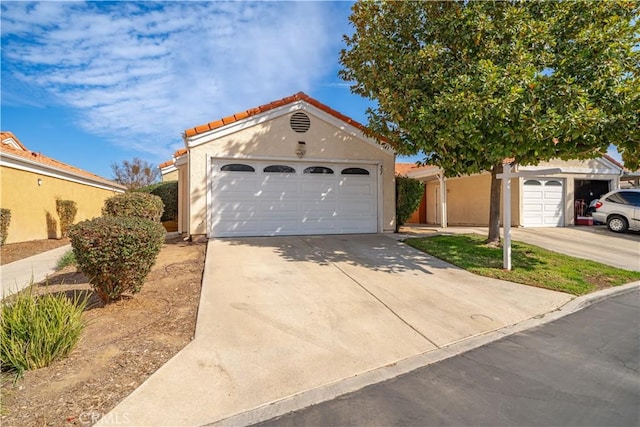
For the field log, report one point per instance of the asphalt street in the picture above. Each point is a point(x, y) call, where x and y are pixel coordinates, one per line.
point(581, 370)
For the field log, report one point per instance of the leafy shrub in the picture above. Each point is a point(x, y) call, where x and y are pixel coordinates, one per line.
point(135, 204)
point(409, 193)
point(68, 258)
point(5, 220)
point(67, 210)
point(116, 253)
point(168, 192)
point(36, 330)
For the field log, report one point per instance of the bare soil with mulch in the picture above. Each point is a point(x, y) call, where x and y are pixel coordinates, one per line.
point(15, 251)
point(123, 344)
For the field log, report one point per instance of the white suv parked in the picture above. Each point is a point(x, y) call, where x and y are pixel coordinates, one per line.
point(619, 209)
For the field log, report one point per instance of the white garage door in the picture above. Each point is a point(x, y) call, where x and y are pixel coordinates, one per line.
point(542, 202)
point(280, 198)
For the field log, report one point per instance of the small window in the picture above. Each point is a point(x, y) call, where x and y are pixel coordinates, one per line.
point(532, 182)
point(355, 171)
point(318, 169)
point(237, 167)
point(279, 169)
point(554, 183)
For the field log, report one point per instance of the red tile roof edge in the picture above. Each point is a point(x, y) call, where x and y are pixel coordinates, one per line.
point(614, 161)
point(52, 163)
point(9, 135)
point(300, 96)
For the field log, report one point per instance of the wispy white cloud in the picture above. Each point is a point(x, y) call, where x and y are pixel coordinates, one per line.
point(141, 73)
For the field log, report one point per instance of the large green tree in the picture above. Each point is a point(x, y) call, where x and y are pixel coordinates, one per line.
point(471, 84)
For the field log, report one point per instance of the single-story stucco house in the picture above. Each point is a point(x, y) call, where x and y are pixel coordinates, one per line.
point(291, 167)
point(31, 182)
point(537, 201)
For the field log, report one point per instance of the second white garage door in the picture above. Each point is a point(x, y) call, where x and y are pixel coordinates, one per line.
point(280, 198)
point(542, 202)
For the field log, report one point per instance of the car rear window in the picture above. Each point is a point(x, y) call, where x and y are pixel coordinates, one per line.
point(625, 198)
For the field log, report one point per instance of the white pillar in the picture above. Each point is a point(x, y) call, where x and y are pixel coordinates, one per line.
point(443, 201)
point(506, 220)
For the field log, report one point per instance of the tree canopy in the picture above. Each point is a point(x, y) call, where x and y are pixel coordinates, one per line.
point(135, 174)
point(469, 84)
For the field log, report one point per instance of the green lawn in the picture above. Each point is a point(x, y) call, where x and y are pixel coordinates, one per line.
point(531, 265)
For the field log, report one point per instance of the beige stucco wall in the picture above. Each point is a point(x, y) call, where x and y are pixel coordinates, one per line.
point(171, 176)
point(274, 139)
point(468, 200)
point(33, 207)
point(183, 197)
point(468, 197)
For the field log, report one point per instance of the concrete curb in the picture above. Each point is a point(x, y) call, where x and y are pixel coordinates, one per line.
point(331, 391)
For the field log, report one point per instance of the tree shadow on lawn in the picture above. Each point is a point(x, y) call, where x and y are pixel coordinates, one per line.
point(471, 252)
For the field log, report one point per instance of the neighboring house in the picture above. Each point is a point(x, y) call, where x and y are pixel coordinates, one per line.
point(537, 201)
point(291, 167)
point(168, 171)
point(31, 183)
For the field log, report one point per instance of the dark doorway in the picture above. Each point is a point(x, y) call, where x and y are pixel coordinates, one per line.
point(589, 189)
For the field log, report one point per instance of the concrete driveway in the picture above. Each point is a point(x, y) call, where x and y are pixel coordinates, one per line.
point(281, 316)
point(595, 243)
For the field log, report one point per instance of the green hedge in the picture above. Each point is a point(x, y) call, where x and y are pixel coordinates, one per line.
point(409, 192)
point(134, 204)
point(67, 210)
point(116, 253)
point(168, 192)
point(5, 220)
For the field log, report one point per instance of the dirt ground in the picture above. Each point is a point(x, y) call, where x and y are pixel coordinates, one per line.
point(15, 251)
point(122, 345)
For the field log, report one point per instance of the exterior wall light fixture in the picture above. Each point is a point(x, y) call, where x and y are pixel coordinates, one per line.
point(302, 149)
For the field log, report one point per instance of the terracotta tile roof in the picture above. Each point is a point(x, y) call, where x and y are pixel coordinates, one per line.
point(9, 135)
point(405, 168)
point(49, 162)
point(614, 161)
point(177, 154)
point(300, 96)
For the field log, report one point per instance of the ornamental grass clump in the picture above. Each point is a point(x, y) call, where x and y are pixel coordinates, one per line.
point(116, 253)
point(36, 330)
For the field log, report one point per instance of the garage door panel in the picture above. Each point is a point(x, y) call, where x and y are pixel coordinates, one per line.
point(244, 203)
point(352, 188)
point(543, 202)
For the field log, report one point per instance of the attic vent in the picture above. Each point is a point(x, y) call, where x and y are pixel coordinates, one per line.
point(300, 122)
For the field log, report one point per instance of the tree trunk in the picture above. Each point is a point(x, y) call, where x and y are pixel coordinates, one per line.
point(494, 207)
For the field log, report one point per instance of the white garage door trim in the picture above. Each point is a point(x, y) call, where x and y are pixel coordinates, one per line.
point(543, 202)
point(277, 197)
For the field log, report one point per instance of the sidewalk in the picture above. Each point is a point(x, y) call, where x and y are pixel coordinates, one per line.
point(20, 274)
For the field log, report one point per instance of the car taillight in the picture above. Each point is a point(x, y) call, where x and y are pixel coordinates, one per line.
point(598, 204)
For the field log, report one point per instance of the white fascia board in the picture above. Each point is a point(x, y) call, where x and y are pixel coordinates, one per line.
point(181, 160)
point(424, 173)
point(168, 169)
point(12, 143)
point(577, 170)
point(194, 141)
point(16, 162)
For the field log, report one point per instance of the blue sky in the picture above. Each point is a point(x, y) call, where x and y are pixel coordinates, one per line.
point(91, 84)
